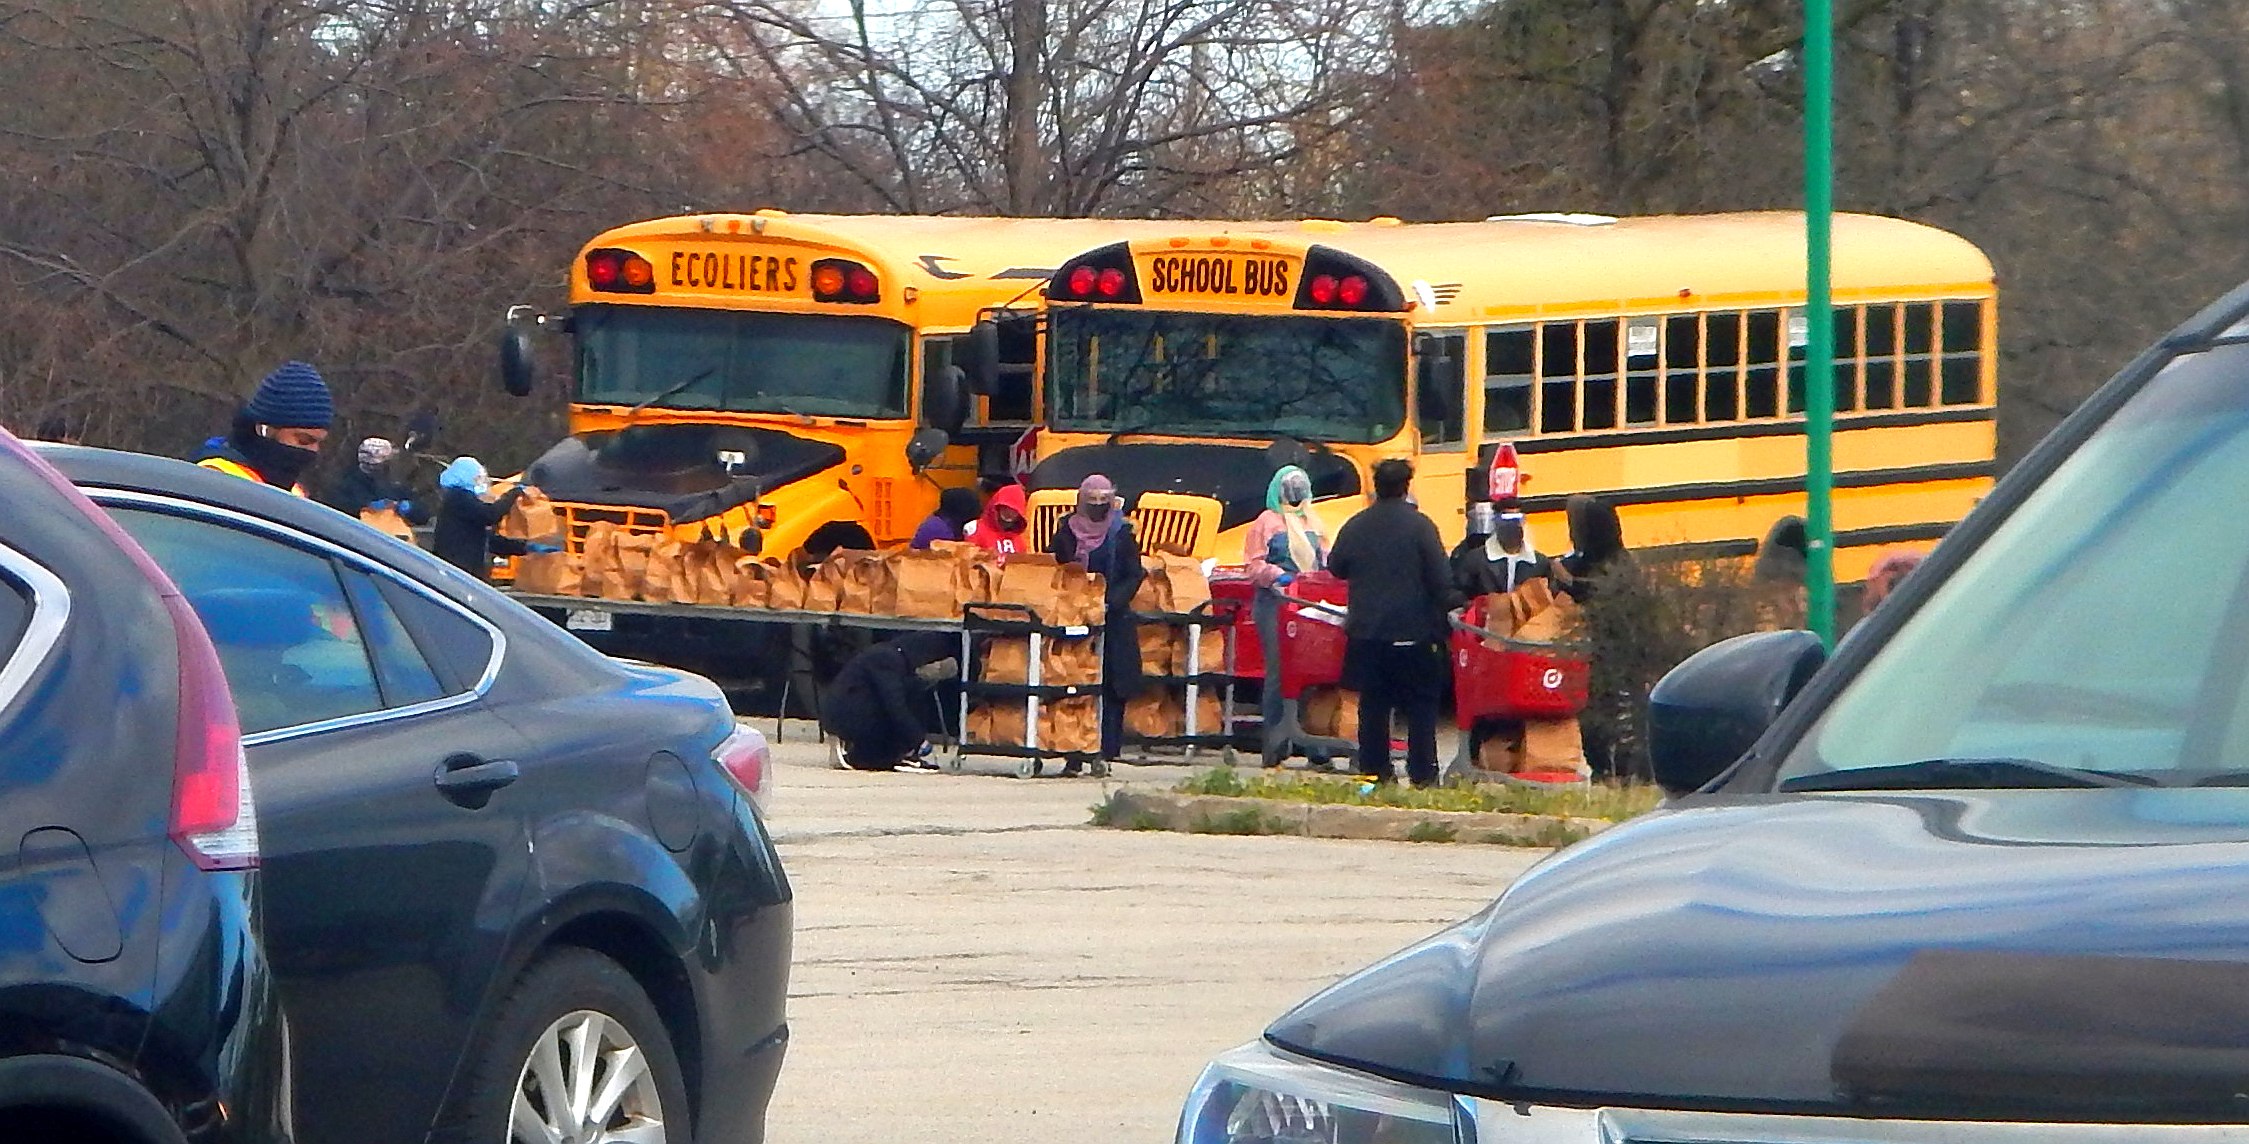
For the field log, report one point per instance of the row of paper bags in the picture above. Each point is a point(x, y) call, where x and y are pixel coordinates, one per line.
point(1072, 726)
point(1161, 713)
point(657, 568)
point(1540, 745)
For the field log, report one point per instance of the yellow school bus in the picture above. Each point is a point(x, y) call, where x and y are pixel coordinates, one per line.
point(789, 380)
point(1654, 362)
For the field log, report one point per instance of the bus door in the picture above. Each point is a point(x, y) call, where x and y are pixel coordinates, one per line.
point(1441, 420)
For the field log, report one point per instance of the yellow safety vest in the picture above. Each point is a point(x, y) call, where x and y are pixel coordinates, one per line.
point(238, 469)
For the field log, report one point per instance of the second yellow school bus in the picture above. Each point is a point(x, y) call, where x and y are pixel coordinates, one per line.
point(1653, 362)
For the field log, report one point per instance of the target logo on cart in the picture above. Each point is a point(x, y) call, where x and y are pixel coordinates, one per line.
point(1552, 679)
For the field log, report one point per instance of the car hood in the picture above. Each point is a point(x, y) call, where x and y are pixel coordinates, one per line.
point(2078, 954)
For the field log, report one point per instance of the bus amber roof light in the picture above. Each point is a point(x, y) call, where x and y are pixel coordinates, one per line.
point(1081, 282)
point(1352, 291)
point(638, 274)
point(1323, 289)
point(827, 281)
point(1110, 283)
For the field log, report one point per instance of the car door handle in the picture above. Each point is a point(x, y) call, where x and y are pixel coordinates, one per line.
point(470, 781)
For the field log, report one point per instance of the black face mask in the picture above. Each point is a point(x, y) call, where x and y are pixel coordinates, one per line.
point(281, 465)
point(1095, 512)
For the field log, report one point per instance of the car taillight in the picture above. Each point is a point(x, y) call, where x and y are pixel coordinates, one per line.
point(214, 819)
point(744, 756)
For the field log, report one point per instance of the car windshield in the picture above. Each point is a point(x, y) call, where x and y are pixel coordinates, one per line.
point(742, 362)
point(1214, 375)
point(2103, 627)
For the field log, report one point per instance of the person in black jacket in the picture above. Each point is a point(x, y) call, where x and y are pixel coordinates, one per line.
point(1596, 547)
point(1401, 588)
point(465, 520)
point(884, 703)
point(1098, 537)
point(1500, 561)
point(370, 485)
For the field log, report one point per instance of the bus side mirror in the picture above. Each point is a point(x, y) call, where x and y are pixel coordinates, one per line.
point(515, 361)
point(925, 447)
point(978, 356)
point(1707, 712)
point(944, 400)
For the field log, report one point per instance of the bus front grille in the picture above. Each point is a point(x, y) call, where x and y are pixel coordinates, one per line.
point(1159, 528)
point(578, 518)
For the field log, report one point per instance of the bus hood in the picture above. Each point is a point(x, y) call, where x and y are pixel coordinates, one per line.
point(2036, 955)
point(1235, 476)
point(676, 468)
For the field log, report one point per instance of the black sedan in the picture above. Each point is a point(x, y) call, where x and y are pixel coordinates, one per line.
point(1978, 878)
point(137, 1006)
point(515, 890)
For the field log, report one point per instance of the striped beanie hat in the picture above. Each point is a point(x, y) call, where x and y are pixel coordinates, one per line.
point(292, 397)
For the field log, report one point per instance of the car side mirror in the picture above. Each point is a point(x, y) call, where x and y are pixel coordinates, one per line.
point(515, 360)
point(944, 400)
point(1707, 712)
point(925, 447)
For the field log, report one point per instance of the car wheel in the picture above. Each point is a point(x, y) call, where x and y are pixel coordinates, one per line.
point(576, 1055)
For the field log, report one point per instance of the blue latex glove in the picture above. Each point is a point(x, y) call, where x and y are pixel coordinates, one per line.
point(378, 506)
point(1286, 579)
point(542, 549)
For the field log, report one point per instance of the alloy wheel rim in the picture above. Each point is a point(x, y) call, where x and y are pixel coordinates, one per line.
point(586, 1082)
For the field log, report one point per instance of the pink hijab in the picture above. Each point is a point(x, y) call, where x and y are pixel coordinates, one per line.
point(1091, 533)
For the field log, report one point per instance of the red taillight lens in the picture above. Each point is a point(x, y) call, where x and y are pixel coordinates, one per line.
point(1110, 283)
point(862, 284)
point(1351, 291)
point(745, 758)
point(603, 271)
point(1082, 281)
point(842, 280)
point(1323, 289)
point(214, 819)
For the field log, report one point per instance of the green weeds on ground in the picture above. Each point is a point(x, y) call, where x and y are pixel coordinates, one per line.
point(1614, 803)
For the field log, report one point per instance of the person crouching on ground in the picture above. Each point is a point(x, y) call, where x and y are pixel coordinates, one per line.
point(883, 704)
point(277, 434)
point(465, 520)
point(1098, 538)
point(1401, 588)
point(956, 510)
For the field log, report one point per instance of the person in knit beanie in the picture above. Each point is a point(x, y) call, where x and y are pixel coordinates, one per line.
point(277, 434)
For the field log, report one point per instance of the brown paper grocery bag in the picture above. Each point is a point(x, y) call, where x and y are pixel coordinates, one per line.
point(1213, 657)
point(824, 586)
point(1346, 714)
point(1156, 713)
point(665, 579)
point(1188, 586)
point(868, 588)
point(534, 517)
point(633, 550)
point(1007, 659)
point(1071, 725)
point(1028, 580)
point(1553, 745)
point(1156, 649)
point(1154, 593)
point(999, 723)
point(924, 584)
point(1499, 614)
point(1078, 597)
point(1316, 710)
point(388, 522)
point(547, 574)
point(1501, 752)
point(1210, 714)
point(1070, 662)
point(598, 559)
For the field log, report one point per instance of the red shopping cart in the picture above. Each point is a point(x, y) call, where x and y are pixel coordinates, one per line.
point(1498, 678)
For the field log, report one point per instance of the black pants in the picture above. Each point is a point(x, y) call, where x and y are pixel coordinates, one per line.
point(1408, 679)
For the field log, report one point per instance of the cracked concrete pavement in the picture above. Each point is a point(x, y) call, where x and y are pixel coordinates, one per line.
point(973, 962)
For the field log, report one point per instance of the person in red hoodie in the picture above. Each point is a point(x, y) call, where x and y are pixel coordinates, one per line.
point(1000, 530)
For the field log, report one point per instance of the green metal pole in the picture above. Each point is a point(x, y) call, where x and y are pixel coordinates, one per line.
point(1819, 313)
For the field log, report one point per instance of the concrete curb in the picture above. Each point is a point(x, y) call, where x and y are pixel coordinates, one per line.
point(1213, 814)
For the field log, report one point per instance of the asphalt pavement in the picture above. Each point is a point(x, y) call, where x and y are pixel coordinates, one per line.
point(975, 963)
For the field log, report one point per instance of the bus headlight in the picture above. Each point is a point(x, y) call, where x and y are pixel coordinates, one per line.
point(1258, 1095)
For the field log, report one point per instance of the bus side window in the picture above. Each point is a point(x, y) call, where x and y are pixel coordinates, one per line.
point(1643, 364)
point(1014, 399)
point(1961, 372)
point(1881, 332)
point(1604, 360)
point(1721, 396)
point(1508, 372)
point(1682, 364)
point(1767, 345)
point(936, 354)
point(1442, 361)
point(1920, 355)
point(1557, 377)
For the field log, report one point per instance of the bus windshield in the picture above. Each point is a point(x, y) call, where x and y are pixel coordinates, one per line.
point(1224, 375)
point(741, 362)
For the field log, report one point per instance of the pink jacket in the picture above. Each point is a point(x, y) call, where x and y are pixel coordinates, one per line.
point(1258, 542)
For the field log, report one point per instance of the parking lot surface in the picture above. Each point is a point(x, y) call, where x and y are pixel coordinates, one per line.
point(974, 963)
